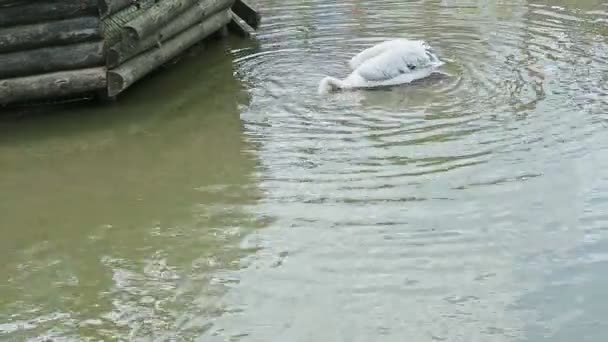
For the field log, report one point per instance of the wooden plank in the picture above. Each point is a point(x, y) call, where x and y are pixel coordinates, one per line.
point(240, 27)
point(109, 7)
point(130, 47)
point(60, 32)
point(52, 85)
point(128, 73)
point(246, 12)
point(46, 10)
point(159, 15)
point(51, 59)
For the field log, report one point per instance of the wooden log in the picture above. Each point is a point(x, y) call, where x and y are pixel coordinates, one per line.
point(125, 75)
point(245, 11)
point(240, 27)
point(113, 24)
point(46, 10)
point(109, 7)
point(52, 85)
point(29, 62)
point(9, 3)
point(60, 32)
point(130, 47)
point(159, 15)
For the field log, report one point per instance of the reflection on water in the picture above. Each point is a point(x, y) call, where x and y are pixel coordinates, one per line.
point(451, 210)
point(468, 207)
point(113, 220)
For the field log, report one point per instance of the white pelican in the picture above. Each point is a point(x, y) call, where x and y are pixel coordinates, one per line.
point(389, 63)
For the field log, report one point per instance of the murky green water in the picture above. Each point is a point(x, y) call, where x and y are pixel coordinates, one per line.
point(224, 200)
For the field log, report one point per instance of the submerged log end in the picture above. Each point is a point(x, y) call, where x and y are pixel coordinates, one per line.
point(116, 83)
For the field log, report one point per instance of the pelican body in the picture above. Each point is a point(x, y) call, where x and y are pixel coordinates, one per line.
point(389, 63)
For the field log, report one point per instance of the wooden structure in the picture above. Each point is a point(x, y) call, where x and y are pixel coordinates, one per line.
point(58, 49)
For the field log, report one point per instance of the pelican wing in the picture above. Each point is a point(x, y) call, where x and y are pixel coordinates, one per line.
point(391, 64)
point(370, 53)
point(416, 47)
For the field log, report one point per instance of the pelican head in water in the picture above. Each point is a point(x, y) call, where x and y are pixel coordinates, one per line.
point(389, 63)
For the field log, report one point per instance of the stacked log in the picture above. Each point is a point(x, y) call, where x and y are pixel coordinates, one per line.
point(49, 49)
point(143, 36)
point(65, 48)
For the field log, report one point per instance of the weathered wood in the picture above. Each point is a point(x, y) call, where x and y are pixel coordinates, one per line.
point(159, 15)
point(58, 84)
point(113, 24)
point(109, 7)
point(46, 10)
point(125, 75)
point(60, 32)
point(9, 3)
point(240, 27)
point(130, 47)
point(245, 11)
point(29, 62)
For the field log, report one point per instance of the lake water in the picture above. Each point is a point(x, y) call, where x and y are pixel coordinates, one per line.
point(224, 200)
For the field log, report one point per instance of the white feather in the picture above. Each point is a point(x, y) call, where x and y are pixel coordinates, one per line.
point(388, 63)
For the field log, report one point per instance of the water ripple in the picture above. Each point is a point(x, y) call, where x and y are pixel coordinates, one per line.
point(424, 196)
